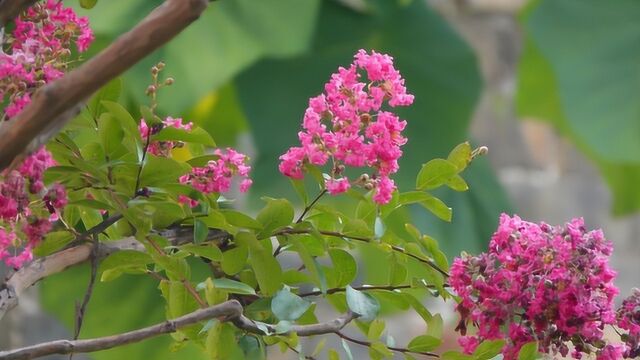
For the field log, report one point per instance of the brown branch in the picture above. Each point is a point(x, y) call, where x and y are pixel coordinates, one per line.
point(55, 263)
point(81, 309)
point(392, 348)
point(395, 248)
point(227, 311)
point(10, 9)
point(359, 288)
point(328, 327)
point(51, 104)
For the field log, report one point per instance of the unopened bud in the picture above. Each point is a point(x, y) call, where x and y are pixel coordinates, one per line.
point(368, 185)
point(151, 89)
point(365, 118)
point(154, 70)
point(169, 81)
point(160, 65)
point(482, 150)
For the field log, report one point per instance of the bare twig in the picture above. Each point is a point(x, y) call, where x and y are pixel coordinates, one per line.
point(82, 308)
point(227, 311)
point(308, 207)
point(10, 9)
point(359, 288)
point(395, 248)
point(51, 104)
point(328, 327)
point(392, 348)
point(55, 263)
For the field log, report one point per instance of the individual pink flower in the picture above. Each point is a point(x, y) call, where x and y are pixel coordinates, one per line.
point(346, 124)
point(162, 148)
point(337, 186)
point(468, 344)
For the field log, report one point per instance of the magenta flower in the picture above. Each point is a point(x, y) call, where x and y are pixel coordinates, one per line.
point(347, 125)
point(545, 283)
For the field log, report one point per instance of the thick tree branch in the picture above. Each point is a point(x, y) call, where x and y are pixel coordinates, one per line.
point(10, 9)
point(227, 311)
point(55, 263)
point(224, 311)
point(51, 106)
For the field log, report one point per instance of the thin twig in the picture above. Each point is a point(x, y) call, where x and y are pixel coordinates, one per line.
point(395, 248)
point(392, 348)
point(359, 288)
point(308, 207)
point(81, 309)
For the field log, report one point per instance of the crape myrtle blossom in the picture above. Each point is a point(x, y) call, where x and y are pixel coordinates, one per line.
point(216, 176)
point(36, 52)
point(346, 127)
point(628, 317)
point(162, 148)
point(539, 282)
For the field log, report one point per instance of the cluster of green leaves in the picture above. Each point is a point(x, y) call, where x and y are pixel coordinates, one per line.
point(578, 72)
point(109, 175)
point(241, 80)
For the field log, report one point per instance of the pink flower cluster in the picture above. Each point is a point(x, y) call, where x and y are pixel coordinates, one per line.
point(346, 125)
point(40, 45)
point(19, 216)
point(217, 175)
point(538, 282)
point(162, 148)
point(628, 316)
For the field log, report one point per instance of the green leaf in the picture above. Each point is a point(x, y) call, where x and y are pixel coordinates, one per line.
point(277, 213)
point(529, 351)
point(460, 156)
point(344, 266)
point(125, 119)
point(288, 306)
point(376, 328)
point(424, 343)
point(234, 260)
point(554, 86)
point(434, 326)
point(363, 304)
point(435, 173)
point(437, 207)
point(234, 287)
point(265, 266)
point(239, 219)
point(53, 242)
point(488, 349)
point(200, 231)
point(457, 183)
point(158, 171)
point(357, 228)
point(455, 355)
point(88, 4)
point(196, 135)
point(122, 262)
point(209, 251)
point(111, 92)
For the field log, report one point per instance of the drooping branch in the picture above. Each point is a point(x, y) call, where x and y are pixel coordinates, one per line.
point(227, 311)
point(56, 103)
point(55, 263)
point(395, 248)
point(10, 9)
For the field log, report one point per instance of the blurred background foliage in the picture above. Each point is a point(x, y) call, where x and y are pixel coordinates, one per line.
point(245, 70)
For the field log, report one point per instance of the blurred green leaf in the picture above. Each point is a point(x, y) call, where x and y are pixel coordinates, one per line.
point(288, 306)
point(529, 351)
point(556, 82)
point(424, 343)
point(362, 304)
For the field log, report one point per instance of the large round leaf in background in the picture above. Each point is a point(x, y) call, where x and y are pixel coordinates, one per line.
point(439, 69)
point(228, 37)
point(579, 71)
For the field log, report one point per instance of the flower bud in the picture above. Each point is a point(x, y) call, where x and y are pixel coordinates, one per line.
point(151, 90)
point(169, 81)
